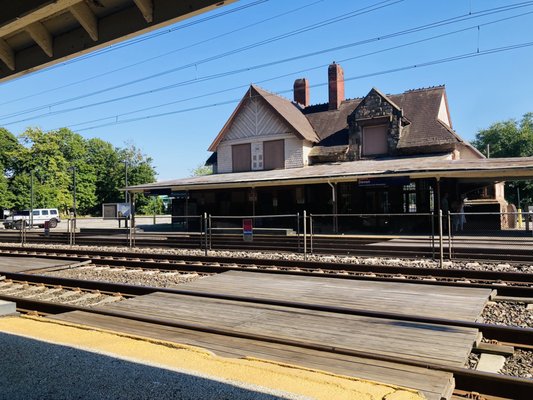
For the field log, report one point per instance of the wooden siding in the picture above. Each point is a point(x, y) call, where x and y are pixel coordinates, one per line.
point(274, 154)
point(256, 119)
point(241, 157)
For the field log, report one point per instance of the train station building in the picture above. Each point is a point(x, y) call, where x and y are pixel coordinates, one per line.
point(378, 154)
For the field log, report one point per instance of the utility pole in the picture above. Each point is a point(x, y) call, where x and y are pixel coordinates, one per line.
point(126, 194)
point(126, 191)
point(73, 169)
point(31, 199)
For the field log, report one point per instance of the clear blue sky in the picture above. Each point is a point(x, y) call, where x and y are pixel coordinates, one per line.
point(481, 90)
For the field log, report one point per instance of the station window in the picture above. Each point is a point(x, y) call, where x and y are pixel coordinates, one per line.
point(409, 198)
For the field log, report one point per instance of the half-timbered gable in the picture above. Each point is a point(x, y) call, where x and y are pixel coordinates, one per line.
point(265, 132)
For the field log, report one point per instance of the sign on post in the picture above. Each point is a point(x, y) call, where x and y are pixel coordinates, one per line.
point(247, 230)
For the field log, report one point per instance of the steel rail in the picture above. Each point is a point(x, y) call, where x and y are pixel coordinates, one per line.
point(519, 336)
point(483, 382)
point(334, 266)
point(229, 264)
point(321, 246)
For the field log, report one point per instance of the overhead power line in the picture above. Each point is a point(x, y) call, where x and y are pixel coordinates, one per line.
point(268, 64)
point(146, 37)
point(383, 72)
point(146, 60)
point(292, 73)
point(329, 21)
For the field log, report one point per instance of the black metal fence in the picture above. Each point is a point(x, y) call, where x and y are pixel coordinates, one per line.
point(453, 235)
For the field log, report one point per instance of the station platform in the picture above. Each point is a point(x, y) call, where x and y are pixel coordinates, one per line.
point(42, 359)
point(238, 329)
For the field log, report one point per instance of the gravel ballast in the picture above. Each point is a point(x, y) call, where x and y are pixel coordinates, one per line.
point(418, 263)
point(508, 313)
point(136, 277)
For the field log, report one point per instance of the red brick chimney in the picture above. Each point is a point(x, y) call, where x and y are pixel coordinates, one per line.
point(335, 85)
point(301, 92)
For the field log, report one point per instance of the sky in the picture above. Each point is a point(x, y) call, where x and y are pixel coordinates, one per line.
point(170, 91)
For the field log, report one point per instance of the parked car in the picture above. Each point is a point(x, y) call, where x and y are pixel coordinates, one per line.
point(39, 218)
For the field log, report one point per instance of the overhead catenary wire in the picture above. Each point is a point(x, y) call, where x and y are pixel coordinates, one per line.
point(116, 116)
point(250, 68)
point(144, 38)
point(383, 72)
point(358, 12)
point(146, 60)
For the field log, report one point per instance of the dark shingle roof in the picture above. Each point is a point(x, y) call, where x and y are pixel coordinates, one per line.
point(420, 107)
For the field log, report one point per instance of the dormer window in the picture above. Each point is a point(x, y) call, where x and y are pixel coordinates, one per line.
point(375, 140)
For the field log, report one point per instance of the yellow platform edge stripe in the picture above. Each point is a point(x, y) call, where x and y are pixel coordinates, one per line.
point(279, 376)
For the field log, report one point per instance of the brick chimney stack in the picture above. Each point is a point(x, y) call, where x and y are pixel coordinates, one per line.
point(335, 85)
point(301, 92)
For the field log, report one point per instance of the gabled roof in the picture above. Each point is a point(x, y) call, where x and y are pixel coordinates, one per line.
point(284, 108)
point(380, 94)
point(420, 107)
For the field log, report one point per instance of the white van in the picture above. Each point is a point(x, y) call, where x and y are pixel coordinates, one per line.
point(39, 217)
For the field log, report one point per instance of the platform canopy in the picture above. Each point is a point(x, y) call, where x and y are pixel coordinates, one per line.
point(435, 166)
point(39, 33)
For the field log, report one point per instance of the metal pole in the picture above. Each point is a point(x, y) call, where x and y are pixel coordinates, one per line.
point(205, 232)
point(31, 199)
point(432, 216)
point(450, 236)
point(298, 229)
point(305, 235)
point(210, 232)
point(126, 173)
point(441, 256)
point(131, 198)
point(311, 230)
point(75, 212)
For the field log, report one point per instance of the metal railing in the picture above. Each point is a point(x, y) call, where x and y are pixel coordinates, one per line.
point(219, 226)
point(506, 231)
point(436, 236)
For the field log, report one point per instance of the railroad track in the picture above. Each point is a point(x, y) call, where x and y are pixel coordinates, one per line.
point(512, 284)
point(480, 249)
point(467, 380)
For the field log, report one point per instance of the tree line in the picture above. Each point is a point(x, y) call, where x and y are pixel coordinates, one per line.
point(511, 138)
point(47, 162)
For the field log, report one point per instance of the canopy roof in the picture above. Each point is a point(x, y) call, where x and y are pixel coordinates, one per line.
point(436, 166)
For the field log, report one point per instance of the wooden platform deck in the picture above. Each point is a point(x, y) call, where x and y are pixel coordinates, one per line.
point(411, 299)
point(449, 346)
point(31, 264)
point(435, 385)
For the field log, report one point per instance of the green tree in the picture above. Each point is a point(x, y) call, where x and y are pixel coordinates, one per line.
point(202, 170)
point(48, 161)
point(140, 171)
point(510, 138)
point(9, 145)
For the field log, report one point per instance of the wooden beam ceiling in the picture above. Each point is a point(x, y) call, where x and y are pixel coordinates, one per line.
point(38, 33)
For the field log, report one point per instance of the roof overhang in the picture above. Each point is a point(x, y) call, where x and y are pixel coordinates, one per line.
point(437, 167)
point(39, 33)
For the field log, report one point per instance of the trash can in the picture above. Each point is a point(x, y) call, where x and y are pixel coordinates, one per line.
point(47, 228)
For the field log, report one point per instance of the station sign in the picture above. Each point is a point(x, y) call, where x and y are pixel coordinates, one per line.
point(116, 210)
point(158, 192)
point(181, 194)
point(384, 182)
point(247, 230)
